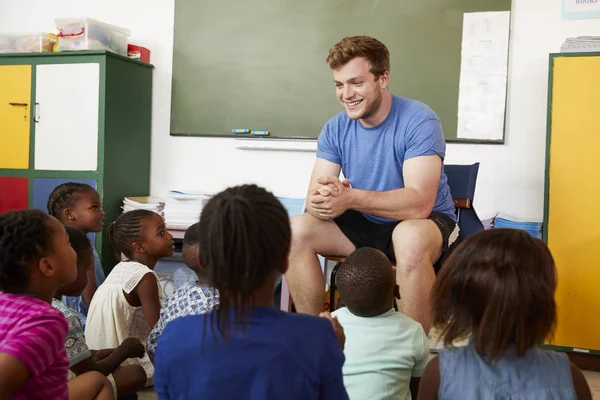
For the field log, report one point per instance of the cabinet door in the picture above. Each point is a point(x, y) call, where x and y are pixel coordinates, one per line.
point(15, 110)
point(13, 194)
point(573, 232)
point(66, 129)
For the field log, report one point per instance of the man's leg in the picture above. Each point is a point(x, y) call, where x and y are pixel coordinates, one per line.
point(312, 236)
point(417, 245)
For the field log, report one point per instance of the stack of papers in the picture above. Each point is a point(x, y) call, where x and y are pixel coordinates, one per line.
point(532, 226)
point(581, 44)
point(150, 203)
point(183, 208)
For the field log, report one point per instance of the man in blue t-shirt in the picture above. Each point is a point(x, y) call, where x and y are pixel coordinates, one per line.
point(395, 197)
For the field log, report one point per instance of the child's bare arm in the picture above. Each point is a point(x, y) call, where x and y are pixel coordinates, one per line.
point(430, 381)
point(147, 292)
point(90, 288)
point(414, 387)
point(12, 375)
point(130, 348)
point(580, 384)
point(99, 355)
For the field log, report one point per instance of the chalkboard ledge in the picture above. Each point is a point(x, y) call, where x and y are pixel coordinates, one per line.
point(474, 141)
point(311, 139)
point(245, 137)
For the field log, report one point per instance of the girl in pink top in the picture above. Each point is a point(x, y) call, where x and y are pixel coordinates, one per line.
point(36, 259)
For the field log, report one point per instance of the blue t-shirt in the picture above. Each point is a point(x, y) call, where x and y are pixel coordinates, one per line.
point(372, 158)
point(279, 355)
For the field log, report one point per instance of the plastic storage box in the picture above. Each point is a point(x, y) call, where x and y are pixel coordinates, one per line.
point(90, 34)
point(27, 43)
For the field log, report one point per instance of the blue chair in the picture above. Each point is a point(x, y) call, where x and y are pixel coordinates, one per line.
point(462, 180)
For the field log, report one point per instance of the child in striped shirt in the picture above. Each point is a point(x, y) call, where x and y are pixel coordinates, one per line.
point(36, 259)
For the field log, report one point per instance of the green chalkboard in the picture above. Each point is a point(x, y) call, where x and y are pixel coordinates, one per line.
point(260, 64)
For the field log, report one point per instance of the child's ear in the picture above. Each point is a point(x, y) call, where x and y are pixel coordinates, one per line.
point(68, 215)
point(284, 266)
point(45, 267)
point(397, 292)
point(138, 247)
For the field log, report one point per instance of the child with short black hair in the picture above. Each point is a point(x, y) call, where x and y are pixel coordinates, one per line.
point(192, 298)
point(36, 259)
point(79, 206)
point(128, 302)
point(246, 347)
point(125, 380)
point(386, 351)
point(498, 287)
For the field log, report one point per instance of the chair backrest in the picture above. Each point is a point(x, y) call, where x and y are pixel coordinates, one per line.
point(462, 180)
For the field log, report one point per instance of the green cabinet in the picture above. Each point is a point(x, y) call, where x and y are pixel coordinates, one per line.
point(80, 116)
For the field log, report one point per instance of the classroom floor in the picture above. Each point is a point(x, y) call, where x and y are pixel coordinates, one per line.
point(148, 394)
point(593, 379)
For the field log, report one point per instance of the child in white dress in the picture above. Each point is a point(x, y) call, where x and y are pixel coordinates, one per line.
point(127, 304)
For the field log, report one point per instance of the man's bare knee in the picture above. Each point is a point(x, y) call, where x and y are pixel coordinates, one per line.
point(304, 229)
point(416, 243)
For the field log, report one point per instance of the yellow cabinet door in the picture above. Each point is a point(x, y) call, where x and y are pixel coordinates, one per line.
point(574, 191)
point(15, 111)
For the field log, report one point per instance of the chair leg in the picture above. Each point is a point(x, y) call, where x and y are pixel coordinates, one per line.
point(332, 286)
point(286, 298)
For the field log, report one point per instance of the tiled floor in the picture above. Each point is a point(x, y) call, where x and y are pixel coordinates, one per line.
point(593, 379)
point(147, 394)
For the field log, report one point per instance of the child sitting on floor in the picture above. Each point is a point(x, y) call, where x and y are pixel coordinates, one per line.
point(79, 206)
point(385, 350)
point(127, 304)
point(498, 286)
point(246, 348)
point(35, 260)
point(124, 380)
point(192, 298)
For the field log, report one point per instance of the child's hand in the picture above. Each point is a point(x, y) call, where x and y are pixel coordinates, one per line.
point(134, 347)
point(339, 331)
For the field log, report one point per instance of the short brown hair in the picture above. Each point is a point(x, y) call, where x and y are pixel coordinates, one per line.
point(351, 47)
point(498, 285)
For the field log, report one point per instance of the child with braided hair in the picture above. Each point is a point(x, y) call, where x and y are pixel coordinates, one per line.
point(36, 259)
point(128, 302)
point(79, 206)
point(245, 348)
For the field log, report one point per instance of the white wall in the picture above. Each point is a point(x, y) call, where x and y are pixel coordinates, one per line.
point(511, 177)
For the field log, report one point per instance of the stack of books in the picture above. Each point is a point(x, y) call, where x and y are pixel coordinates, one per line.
point(531, 225)
point(581, 44)
point(150, 203)
point(183, 208)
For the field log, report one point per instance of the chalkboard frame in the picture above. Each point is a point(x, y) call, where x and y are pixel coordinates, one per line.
point(448, 137)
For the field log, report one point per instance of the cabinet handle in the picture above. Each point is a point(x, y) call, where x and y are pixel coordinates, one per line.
point(12, 103)
point(36, 112)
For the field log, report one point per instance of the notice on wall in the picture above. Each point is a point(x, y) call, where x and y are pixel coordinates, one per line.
point(483, 75)
point(581, 9)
